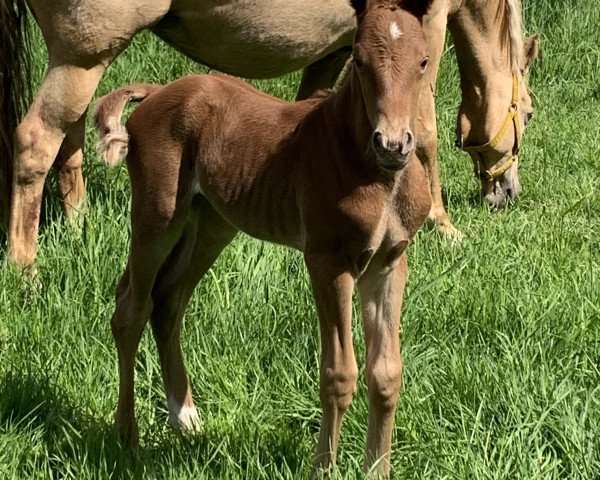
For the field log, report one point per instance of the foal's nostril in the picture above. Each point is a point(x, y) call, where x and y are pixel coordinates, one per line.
point(408, 144)
point(527, 117)
point(402, 145)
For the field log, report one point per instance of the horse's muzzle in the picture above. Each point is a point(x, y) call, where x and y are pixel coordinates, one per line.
point(393, 154)
point(502, 192)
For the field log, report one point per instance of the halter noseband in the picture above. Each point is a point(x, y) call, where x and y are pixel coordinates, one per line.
point(497, 171)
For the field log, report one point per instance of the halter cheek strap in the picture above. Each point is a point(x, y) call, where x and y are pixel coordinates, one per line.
point(512, 117)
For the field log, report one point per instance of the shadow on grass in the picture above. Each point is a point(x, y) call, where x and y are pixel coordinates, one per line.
point(72, 438)
point(470, 199)
point(473, 200)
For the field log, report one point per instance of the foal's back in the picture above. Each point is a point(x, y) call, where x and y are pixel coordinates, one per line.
point(219, 137)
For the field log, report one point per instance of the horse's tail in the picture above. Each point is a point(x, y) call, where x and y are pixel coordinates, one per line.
point(114, 139)
point(15, 90)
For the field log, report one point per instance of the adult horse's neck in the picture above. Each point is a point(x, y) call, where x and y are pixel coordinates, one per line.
point(487, 50)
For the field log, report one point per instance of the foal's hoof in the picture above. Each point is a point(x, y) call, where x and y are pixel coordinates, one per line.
point(128, 434)
point(184, 419)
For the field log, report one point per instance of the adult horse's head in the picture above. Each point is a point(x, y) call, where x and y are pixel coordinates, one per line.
point(496, 105)
point(390, 57)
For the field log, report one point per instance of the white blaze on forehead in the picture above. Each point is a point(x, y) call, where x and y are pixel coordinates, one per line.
point(395, 31)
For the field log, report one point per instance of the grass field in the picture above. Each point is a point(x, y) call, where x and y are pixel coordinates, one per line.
point(501, 335)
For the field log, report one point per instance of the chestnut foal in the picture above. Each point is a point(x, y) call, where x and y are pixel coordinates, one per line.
point(334, 177)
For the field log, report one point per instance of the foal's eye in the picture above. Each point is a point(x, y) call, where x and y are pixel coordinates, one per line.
point(424, 63)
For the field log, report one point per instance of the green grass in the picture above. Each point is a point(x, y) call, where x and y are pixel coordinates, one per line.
point(501, 336)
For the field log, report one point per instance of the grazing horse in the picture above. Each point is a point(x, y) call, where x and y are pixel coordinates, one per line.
point(493, 62)
point(334, 177)
point(249, 39)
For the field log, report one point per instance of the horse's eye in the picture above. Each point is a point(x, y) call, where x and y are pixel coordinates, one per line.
point(424, 63)
point(358, 63)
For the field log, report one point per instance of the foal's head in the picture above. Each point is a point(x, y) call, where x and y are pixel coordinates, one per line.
point(390, 57)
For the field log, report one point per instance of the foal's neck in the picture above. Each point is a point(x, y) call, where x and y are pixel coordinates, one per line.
point(346, 111)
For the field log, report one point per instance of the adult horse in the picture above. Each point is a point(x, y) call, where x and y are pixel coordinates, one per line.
point(334, 177)
point(495, 105)
point(250, 39)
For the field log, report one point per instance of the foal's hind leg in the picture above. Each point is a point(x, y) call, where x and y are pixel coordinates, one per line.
point(202, 241)
point(149, 248)
point(68, 165)
point(59, 105)
point(323, 73)
point(381, 292)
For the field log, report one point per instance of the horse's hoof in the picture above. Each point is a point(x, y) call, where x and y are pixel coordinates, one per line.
point(451, 233)
point(76, 216)
point(184, 419)
point(28, 279)
point(128, 435)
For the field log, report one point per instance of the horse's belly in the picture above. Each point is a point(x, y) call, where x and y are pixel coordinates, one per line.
point(271, 222)
point(258, 39)
point(257, 200)
point(87, 32)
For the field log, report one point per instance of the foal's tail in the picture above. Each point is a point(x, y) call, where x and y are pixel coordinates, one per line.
point(15, 90)
point(114, 139)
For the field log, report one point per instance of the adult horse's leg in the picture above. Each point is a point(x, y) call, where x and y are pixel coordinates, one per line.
point(381, 299)
point(323, 73)
point(332, 287)
point(15, 83)
point(201, 243)
point(83, 38)
point(427, 135)
point(68, 165)
point(59, 105)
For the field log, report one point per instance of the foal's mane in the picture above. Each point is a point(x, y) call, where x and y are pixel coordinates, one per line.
point(512, 31)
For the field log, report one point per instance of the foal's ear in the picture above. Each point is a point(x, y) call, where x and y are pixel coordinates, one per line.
point(531, 51)
point(418, 7)
point(359, 6)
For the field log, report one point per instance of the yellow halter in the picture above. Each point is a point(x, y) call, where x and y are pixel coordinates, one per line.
point(497, 171)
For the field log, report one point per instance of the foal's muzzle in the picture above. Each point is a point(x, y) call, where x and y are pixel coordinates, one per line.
point(393, 153)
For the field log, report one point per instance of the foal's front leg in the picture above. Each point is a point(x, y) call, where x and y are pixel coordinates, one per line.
point(205, 236)
point(332, 286)
point(381, 292)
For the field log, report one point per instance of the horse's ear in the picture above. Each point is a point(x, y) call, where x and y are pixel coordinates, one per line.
point(359, 6)
point(418, 7)
point(531, 50)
